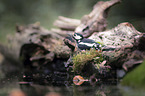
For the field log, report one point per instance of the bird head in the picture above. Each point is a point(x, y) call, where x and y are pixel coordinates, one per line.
point(78, 36)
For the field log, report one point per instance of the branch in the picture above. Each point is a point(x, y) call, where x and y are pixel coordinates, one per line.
point(96, 20)
point(66, 23)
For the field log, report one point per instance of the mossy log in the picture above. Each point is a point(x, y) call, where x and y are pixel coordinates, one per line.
point(128, 44)
point(52, 41)
point(40, 47)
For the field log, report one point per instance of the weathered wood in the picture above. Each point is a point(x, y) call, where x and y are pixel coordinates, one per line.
point(122, 35)
point(9, 62)
point(93, 22)
point(66, 23)
point(60, 32)
point(96, 20)
point(35, 34)
point(41, 47)
point(127, 41)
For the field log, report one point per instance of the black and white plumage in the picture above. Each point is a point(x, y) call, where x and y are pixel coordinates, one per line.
point(84, 43)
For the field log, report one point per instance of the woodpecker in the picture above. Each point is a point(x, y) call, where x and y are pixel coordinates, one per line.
point(84, 43)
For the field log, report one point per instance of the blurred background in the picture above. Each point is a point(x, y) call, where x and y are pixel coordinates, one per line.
point(24, 12)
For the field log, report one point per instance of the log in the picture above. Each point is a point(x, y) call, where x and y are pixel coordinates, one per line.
point(43, 50)
point(9, 63)
point(93, 22)
point(127, 42)
point(35, 34)
point(65, 23)
point(96, 20)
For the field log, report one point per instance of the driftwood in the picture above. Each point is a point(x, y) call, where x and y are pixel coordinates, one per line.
point(42, 50)
point(67, 23)
point(93, 22)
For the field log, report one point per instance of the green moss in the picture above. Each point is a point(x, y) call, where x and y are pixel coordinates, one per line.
point(135, 78)
point(82, 58)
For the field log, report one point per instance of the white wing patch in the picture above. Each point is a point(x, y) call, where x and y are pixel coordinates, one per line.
point(88, 44)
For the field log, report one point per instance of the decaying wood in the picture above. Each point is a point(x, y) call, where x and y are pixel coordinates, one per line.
point(127, 41)
point(40, 47)
point(9, 63)
point(66, 23)
point(61, 32)
point(35, 34)
point(93, 22)
point(96, 20)
point(122, 37)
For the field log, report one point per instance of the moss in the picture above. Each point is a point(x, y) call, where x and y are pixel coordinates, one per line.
point(82, 58)
point(135, 78)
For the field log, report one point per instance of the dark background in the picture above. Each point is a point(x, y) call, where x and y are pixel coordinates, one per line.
point(24, 12)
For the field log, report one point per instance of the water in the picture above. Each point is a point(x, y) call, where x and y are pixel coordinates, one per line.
point(12, 85)
point(55, 85)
